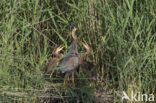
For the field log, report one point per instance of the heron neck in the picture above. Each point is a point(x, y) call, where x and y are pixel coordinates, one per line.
point(73, 47)
point(57, 55)
point(83, 55)
point(73, 35)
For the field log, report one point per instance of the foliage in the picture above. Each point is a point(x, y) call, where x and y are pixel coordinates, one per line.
point(122, 34)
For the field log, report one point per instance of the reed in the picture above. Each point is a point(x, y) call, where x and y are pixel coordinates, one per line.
point(122, 34)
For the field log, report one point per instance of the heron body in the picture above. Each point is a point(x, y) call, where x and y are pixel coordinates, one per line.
point(69, 63)
point(71, 60)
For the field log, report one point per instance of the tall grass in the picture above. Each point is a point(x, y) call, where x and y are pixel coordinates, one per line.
point(122, 34)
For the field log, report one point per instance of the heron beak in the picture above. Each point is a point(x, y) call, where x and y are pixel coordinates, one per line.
point(60, 47)
point(84, 44)
point(75, 29)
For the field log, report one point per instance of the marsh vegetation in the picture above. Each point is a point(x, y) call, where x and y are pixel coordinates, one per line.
point(122, 34)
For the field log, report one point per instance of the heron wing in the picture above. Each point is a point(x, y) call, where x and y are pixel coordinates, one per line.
point(69, 64)
point(68, 59)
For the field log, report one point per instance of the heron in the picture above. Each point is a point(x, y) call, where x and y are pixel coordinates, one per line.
point(88, 48)
point(55, 61)
point(71, 61)
point(86, 66)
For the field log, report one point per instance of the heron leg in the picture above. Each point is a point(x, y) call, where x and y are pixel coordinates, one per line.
point(65, 81)
point(66, 78)
point(80, 69)
point(51, 73)
point(72, 78)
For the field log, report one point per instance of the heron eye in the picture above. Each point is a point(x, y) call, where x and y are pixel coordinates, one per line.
point(72, 26)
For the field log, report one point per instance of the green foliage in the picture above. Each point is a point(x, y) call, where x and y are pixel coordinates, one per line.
point(83, 94)
point(122, 34)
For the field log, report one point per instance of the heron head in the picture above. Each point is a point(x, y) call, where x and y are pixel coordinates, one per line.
point(73, 28)
point(85, 45)
point(58, 49)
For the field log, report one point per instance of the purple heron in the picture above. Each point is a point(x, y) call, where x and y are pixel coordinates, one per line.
point(55, 61)
point(88, 48)
point(70, 62)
